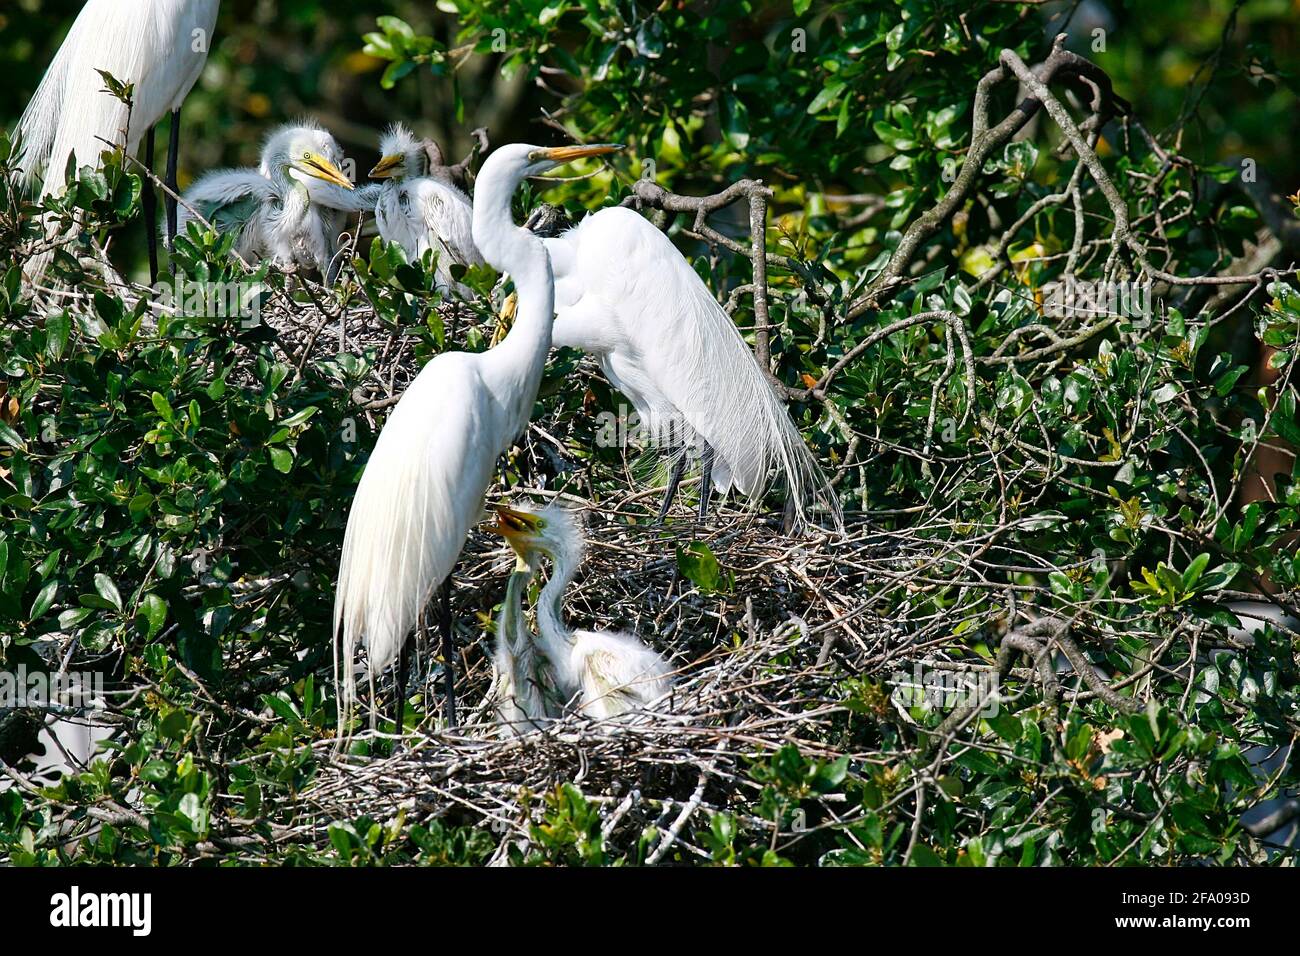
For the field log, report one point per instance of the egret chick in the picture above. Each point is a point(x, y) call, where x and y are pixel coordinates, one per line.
point(290, 209)
point(420, 207)
point(523, 691)
point(607, 673)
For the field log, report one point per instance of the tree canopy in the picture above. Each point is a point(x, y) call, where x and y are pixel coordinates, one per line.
point(1026, 278)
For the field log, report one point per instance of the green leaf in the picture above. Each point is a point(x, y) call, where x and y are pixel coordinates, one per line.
point(341, 840)
point(11, 437)
point(1220, 577)
point(162, 407)
point(108, 590)
point(43, 600)
point(281, 460)
point(735, 122)
point(154, 611)
point(699, 566)
point(300, 416)
point(829, 93)
point(1193, 572)
point(57, 329)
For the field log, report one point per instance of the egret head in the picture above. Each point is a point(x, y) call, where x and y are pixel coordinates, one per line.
point(555, 532)
point(306, 153)
point(518, 161)
point(404, 156)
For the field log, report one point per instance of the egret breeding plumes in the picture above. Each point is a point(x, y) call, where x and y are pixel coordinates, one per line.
point(423, 487)
point(290, 209)
point(420, 207)
point(158, 46)
point(626, 295)
point(605, 673)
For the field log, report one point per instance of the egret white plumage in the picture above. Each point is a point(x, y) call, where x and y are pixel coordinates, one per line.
point(626, 295)
point(159, 46)
point(423, 487)
point(289, 209)
point(420, 207)
point(522, 689)
point(605, 673)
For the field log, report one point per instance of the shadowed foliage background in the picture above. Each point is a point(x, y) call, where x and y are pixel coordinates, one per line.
point(273, 61)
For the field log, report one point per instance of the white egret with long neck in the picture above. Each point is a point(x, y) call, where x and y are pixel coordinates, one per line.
point(423, 487)
point(289, 209)
point(159, 47)
point(420, 207)
point(606, 674)
point(624, 294)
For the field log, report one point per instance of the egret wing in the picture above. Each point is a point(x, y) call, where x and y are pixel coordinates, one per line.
point(449, 217)
point(227, 198)
point(418, 497)
point(618, 673)
point(625, 292)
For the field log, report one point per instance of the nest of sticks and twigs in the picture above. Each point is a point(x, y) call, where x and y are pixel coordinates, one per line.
point(807, 641)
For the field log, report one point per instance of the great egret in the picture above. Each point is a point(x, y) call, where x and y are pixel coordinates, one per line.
point(420, 207)
point(607, 673)
point(424, 484)
point(626, 295)
point(289, 210)
point(159, 46)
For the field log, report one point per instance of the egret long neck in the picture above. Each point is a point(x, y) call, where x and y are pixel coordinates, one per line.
point(510, 624)
point(556, 638)
point(515, 366)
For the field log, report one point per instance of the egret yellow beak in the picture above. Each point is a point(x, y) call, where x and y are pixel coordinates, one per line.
point(516, 526)
point(567, 154)
point(314, 164)
point(388, 166)
point(506, 319)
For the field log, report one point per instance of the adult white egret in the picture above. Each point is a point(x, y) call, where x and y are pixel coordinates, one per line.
point(424, 484)
point(420, 207)
point(289, 210)
point(626, 295)
point(606, 673)
point(158, 46)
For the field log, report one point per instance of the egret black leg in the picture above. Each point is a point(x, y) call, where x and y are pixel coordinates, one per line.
point(403, 672)
point(706, 479)
point(173, 148)
point(448, 649)
point(149, 205)
point(788, 517)
point(679, 469)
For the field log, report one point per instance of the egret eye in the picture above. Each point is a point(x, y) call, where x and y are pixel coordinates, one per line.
point(306, 155)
